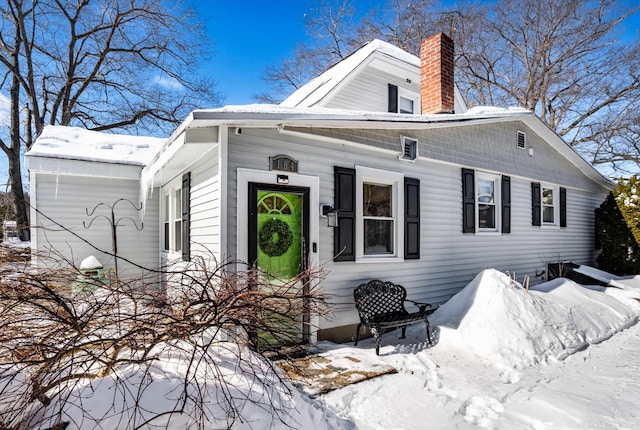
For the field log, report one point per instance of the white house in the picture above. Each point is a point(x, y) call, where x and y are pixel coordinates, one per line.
point(427, 193)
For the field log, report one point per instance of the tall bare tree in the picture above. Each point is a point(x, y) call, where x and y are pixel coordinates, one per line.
point(570, 61)
point(100, 64)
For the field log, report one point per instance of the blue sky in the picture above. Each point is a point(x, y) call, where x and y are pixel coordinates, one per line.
point(248, 36)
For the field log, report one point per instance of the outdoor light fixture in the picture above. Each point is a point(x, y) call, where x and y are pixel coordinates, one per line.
point(331, 214)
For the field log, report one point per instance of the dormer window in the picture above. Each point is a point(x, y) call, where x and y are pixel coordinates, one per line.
point(403, 101)
point(405, 105)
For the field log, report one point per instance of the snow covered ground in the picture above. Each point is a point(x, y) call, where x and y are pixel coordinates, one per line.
point(559, 356)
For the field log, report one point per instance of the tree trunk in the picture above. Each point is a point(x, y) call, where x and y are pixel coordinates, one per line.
point(13, 152)
point(19, 202)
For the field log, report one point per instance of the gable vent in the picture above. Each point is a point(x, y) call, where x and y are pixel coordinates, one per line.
point(409, 149)
point(522, 139)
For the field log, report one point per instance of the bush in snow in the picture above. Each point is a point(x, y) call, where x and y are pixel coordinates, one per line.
point(127, 356)
point(618, 230)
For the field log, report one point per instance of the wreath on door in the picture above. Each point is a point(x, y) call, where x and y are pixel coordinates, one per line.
point(277, 247)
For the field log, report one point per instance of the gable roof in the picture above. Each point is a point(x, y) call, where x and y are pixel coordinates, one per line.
point(320, 89)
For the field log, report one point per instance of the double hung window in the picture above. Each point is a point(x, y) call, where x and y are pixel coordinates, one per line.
point(378, 194)
point(486, 202)
point(172, 222)
point(548, 206)
point(487, 196)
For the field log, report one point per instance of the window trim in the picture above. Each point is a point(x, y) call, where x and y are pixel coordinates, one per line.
point(382, 177)
point(556, 205)
point(497, 202)
point(170, 191)
point(411, 96)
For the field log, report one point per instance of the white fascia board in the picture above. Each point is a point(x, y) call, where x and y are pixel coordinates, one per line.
point(344, 119)
point(90, 168)
point(176, 158)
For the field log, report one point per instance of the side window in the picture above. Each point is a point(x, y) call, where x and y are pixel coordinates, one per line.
point(177, 229)
point(486, 202)
point(548, 205)
point(487, 196)
point(167, 222)
point(172, 222)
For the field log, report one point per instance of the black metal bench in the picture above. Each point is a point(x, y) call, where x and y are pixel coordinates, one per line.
point(380, 305)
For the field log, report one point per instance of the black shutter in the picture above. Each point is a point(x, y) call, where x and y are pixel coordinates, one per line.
point(563, 207)
point(468, 201)
point(411, 218)
point(344, 201)
point(393, 98)
point(186, 216)
point(506, 204)
point(536, 204)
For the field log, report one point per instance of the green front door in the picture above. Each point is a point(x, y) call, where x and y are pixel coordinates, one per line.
point(278, 232)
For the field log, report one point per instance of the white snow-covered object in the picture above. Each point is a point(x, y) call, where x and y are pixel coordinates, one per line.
point(90, 263)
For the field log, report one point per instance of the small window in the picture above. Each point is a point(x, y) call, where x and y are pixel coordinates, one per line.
point(548, 206)
point(521, 139)
point(172, 220)
point(177, 231)
point(167, 211)
point(409, 149)
point(406, 105)
point(487, 196)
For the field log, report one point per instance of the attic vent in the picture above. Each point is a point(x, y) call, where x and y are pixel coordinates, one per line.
point(409, 148)
point(522, 139)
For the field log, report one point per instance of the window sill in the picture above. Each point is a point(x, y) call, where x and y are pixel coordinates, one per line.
point(549, 227)
point(381, 259)
point(172, 255)
point(488, 233)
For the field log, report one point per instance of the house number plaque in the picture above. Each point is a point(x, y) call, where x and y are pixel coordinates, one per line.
point(283, 163)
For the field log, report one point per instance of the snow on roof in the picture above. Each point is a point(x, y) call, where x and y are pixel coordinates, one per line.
point(75, 143)
point(314, 90)
point(282, 111)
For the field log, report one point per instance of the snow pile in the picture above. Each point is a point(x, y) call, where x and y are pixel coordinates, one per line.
point(504, 324)
point(80, 144)
point(131, 397)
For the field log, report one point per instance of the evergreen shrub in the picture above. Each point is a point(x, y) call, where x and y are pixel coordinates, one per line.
point(618, 229)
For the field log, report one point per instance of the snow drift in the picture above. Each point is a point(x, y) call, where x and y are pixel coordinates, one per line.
point(498, 320)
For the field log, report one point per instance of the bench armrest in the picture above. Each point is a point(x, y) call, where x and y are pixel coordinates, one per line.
point(423, 307)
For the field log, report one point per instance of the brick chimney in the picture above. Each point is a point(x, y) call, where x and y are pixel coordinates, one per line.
point(436, 74)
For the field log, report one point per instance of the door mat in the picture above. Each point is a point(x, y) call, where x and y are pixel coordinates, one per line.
point(320, 373)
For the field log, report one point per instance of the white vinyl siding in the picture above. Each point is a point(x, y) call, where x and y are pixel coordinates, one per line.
point(369, 92)
point(65, 199)
point(449, 259)
point(205, 209)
